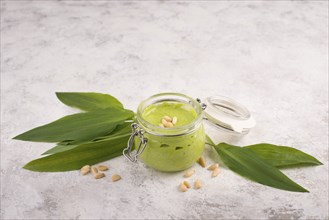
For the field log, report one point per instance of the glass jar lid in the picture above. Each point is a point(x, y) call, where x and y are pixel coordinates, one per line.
point(228, 114)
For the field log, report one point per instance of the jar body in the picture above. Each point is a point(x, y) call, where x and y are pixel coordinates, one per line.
point(173, 153)
point(172, 149)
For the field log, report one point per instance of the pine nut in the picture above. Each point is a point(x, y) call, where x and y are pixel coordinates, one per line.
point(161, 125)
point(189, 173)
point(187, 184)
point(202, 161)
point(197, 184)
point(167, 118)
point(215, 172)
point(99, 175)
point(212, 167)
point(115, 177)
point(174, 120)
point(182, 187)
point(167, 124)
point(85, 170)
point(94, 170)
point(102, 168)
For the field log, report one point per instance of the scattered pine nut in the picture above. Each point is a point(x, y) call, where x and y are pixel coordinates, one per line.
point(213, 167)
point(161, 125)
point(202, 161)
point(115, 177)
point(167, 118)
point(182, 187)
point(85, 170)
point(189, 173)
point(197, 184)
point(187, 184)
point(102, 168)
point(215, 172)
point(174, 120)
point(99, 175)
point(94, 170)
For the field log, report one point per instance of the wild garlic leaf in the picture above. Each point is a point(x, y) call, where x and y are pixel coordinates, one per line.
point(282, 156)
point(88, 101)
point(279, 156)
point(59, 148)
point(119, 130)
point(78, 127)
point(209, 141)
point(246, 163)
point(90, 153)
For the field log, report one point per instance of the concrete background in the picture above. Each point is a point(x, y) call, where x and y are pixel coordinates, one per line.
point(272, 56)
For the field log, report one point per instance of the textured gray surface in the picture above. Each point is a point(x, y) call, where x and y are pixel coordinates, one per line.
point(271, 56)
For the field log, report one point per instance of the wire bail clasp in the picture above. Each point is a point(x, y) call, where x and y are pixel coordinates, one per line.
point(127, 152)
point(203, 105)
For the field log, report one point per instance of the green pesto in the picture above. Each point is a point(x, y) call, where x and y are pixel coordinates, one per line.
point(172, 153)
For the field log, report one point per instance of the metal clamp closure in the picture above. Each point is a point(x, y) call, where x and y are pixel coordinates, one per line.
point(137, 131)
point(203, 105)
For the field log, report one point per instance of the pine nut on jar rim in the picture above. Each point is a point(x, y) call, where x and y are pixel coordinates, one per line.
point(169, 134)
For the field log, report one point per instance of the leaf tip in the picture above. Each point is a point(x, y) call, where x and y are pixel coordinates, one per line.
point(318, 162)
point(305, 190)
point(18, 137)
point(301, 189)
point(28, 167)
point(58, 94)
point(23, 137)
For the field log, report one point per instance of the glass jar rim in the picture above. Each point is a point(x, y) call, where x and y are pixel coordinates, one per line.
point(173, 131)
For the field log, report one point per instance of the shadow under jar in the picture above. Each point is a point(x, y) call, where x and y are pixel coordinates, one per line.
point(167, 148)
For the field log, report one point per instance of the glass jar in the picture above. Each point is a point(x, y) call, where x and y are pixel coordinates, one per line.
point(178, 148)
point(167, 149)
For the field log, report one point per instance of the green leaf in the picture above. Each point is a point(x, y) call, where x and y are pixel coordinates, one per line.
point(123, 128)
point(81, 126)
point(90, 153)
point(59, 148)
point(279, 156)
point(246, 163)
point(282, 156)
point(88, 101)
point(119, 130)
point(209, 141)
